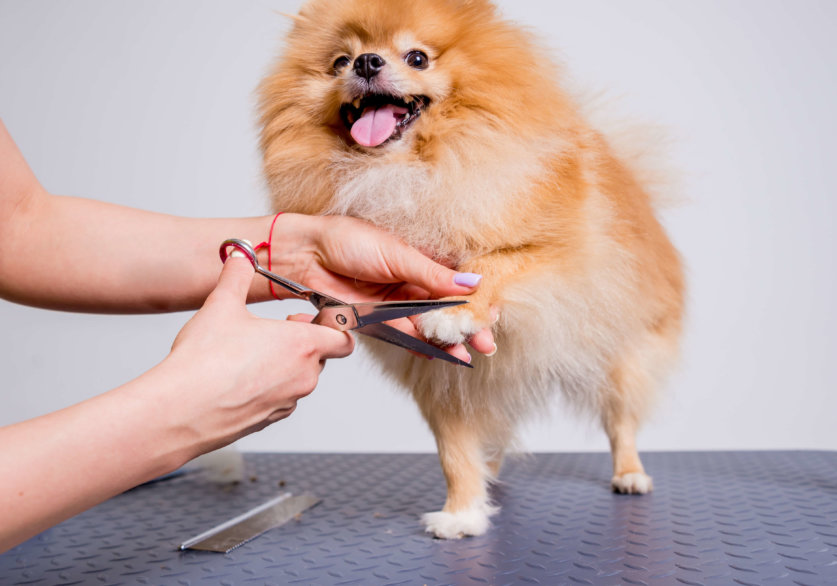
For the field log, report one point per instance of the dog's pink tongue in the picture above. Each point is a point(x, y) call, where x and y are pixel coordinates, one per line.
point(374, 127)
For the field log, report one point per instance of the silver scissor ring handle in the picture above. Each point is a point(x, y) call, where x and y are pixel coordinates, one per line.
point(242, 246)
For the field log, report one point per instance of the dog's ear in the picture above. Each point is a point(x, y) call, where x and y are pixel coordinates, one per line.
point(477, 3)
point(481, 6)
point(298, 18)
point(302, 22)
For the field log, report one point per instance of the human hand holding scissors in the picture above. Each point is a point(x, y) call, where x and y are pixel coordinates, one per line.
point(365, 318)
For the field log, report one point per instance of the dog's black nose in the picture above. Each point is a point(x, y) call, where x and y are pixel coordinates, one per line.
point(368, 65)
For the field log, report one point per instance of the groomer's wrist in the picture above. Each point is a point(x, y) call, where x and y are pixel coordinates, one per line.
point(296, 232)
point(294, 247)
point(262, 233)
point(175, 393)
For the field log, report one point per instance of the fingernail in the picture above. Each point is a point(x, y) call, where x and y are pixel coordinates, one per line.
point(467, 279)
point(237, 254)
point(493, 352)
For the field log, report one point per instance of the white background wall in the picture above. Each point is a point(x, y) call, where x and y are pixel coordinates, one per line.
point(150, 104)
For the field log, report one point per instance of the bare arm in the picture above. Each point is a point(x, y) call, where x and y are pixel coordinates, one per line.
point(78, 254)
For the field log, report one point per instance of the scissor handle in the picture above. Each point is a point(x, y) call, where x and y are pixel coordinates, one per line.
point(243, 247)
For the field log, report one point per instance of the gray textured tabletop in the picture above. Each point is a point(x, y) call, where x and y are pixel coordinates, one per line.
point(714, 518)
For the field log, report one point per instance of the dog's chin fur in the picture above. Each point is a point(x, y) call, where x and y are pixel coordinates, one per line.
point(500, 175)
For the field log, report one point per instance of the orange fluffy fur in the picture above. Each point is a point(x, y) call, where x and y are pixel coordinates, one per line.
point(500, 175)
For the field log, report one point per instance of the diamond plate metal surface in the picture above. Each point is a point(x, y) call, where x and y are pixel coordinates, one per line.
point(757, 518)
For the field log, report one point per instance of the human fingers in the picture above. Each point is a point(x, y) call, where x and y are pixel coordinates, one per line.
point(371, 254)
point(410, 266)
point(483, 342)
point(300, 317)
point(281, 413)
point(459, 351)
point(330, 343)
point(234, 281)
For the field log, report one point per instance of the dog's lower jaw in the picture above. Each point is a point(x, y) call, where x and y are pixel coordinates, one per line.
point(470, 522)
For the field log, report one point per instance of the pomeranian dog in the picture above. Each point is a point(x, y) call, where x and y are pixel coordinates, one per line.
point(447, 125)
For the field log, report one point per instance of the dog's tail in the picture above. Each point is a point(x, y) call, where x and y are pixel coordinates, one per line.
point(646, 148)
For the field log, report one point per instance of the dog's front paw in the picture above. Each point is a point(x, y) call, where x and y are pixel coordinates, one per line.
point(453, 325)
point(469, 522)
point(633, 483)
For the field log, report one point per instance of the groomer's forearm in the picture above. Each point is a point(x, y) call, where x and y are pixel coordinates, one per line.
point(86, 255)
point(79, 254)
point(58, 465)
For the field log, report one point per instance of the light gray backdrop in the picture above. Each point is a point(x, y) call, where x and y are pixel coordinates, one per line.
point(150, 104)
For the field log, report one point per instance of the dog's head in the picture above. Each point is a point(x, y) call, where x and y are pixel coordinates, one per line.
point(430, 118)
point(384, 75)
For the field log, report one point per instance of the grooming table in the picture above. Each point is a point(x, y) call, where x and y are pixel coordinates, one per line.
point(757, 518)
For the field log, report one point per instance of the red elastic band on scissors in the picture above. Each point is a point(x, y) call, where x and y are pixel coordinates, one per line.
point(268, 245)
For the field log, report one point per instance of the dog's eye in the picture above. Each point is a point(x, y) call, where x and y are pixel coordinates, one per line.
point(340, 63)
point(417, 60)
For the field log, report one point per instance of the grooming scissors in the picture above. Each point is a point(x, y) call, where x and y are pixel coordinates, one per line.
point(364, 318)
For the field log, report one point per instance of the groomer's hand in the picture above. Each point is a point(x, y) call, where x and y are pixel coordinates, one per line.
point(252, 370)
point(356, 261)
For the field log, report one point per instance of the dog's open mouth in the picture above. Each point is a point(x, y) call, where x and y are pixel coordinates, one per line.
point(374, 119)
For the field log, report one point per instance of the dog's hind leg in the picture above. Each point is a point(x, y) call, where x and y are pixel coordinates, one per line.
point(467, 508)
point(628, 473)
point(626, 400)
point(628, 396)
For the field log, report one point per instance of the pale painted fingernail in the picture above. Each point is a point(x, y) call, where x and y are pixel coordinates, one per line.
point(467, 279)
point(493, 352)
point(237, 254)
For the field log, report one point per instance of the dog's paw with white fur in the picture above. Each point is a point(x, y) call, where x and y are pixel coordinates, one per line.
point(633, 483)
point(453, 325)
point(466, 523)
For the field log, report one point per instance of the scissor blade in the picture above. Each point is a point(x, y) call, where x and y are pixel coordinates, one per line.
point(399, 338)
point(372, 313)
